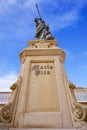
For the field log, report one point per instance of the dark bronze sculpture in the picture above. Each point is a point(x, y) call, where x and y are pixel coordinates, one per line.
point(42, 30)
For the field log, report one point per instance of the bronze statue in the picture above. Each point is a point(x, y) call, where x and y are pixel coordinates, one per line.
point(42, 30)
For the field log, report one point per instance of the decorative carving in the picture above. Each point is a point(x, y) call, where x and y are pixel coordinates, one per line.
point(16, 84)
point(79, 112)
point(23, 60)
point(42, 45)
point(13, 87)
point(61, 59)
point(6, 111)
point(71, 85)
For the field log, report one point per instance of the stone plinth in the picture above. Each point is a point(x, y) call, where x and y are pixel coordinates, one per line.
point(43, 101)
point(47, 129)
point(42, 129)
point(43, 97)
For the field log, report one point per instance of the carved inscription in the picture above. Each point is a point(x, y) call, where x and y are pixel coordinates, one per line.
point(42, 69)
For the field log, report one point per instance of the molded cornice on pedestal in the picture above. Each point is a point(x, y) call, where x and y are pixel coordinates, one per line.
point(35, 43)
point(43, 48)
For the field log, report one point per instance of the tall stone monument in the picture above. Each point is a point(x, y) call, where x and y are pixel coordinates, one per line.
point(43, 96)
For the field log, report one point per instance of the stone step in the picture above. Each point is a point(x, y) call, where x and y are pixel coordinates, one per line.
point(47, 128)
point(43, 128)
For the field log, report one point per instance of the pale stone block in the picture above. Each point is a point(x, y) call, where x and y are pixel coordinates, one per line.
point(43, 119)
point(43, 99)
point(45, 129)
point(4, 128)
point(42, 92)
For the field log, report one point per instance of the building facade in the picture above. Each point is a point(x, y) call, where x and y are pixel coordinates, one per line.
point(4, 98)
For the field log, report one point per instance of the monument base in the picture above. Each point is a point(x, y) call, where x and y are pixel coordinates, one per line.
point(43, 129)
point(43, 97)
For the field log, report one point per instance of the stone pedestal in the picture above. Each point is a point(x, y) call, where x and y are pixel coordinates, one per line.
point(42, 101)
point(42, 94)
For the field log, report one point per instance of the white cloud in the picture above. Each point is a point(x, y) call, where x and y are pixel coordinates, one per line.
point(10, 2)
point(68, 13)
point(58, 14)
point(31, 3)
point(7, 80)
point(64, 20)
point(63, 13)
point(6, 4)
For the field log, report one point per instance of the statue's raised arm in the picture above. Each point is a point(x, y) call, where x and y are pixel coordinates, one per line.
point(42, 30)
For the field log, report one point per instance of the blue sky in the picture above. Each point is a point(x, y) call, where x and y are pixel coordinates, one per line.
point(68, 23)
